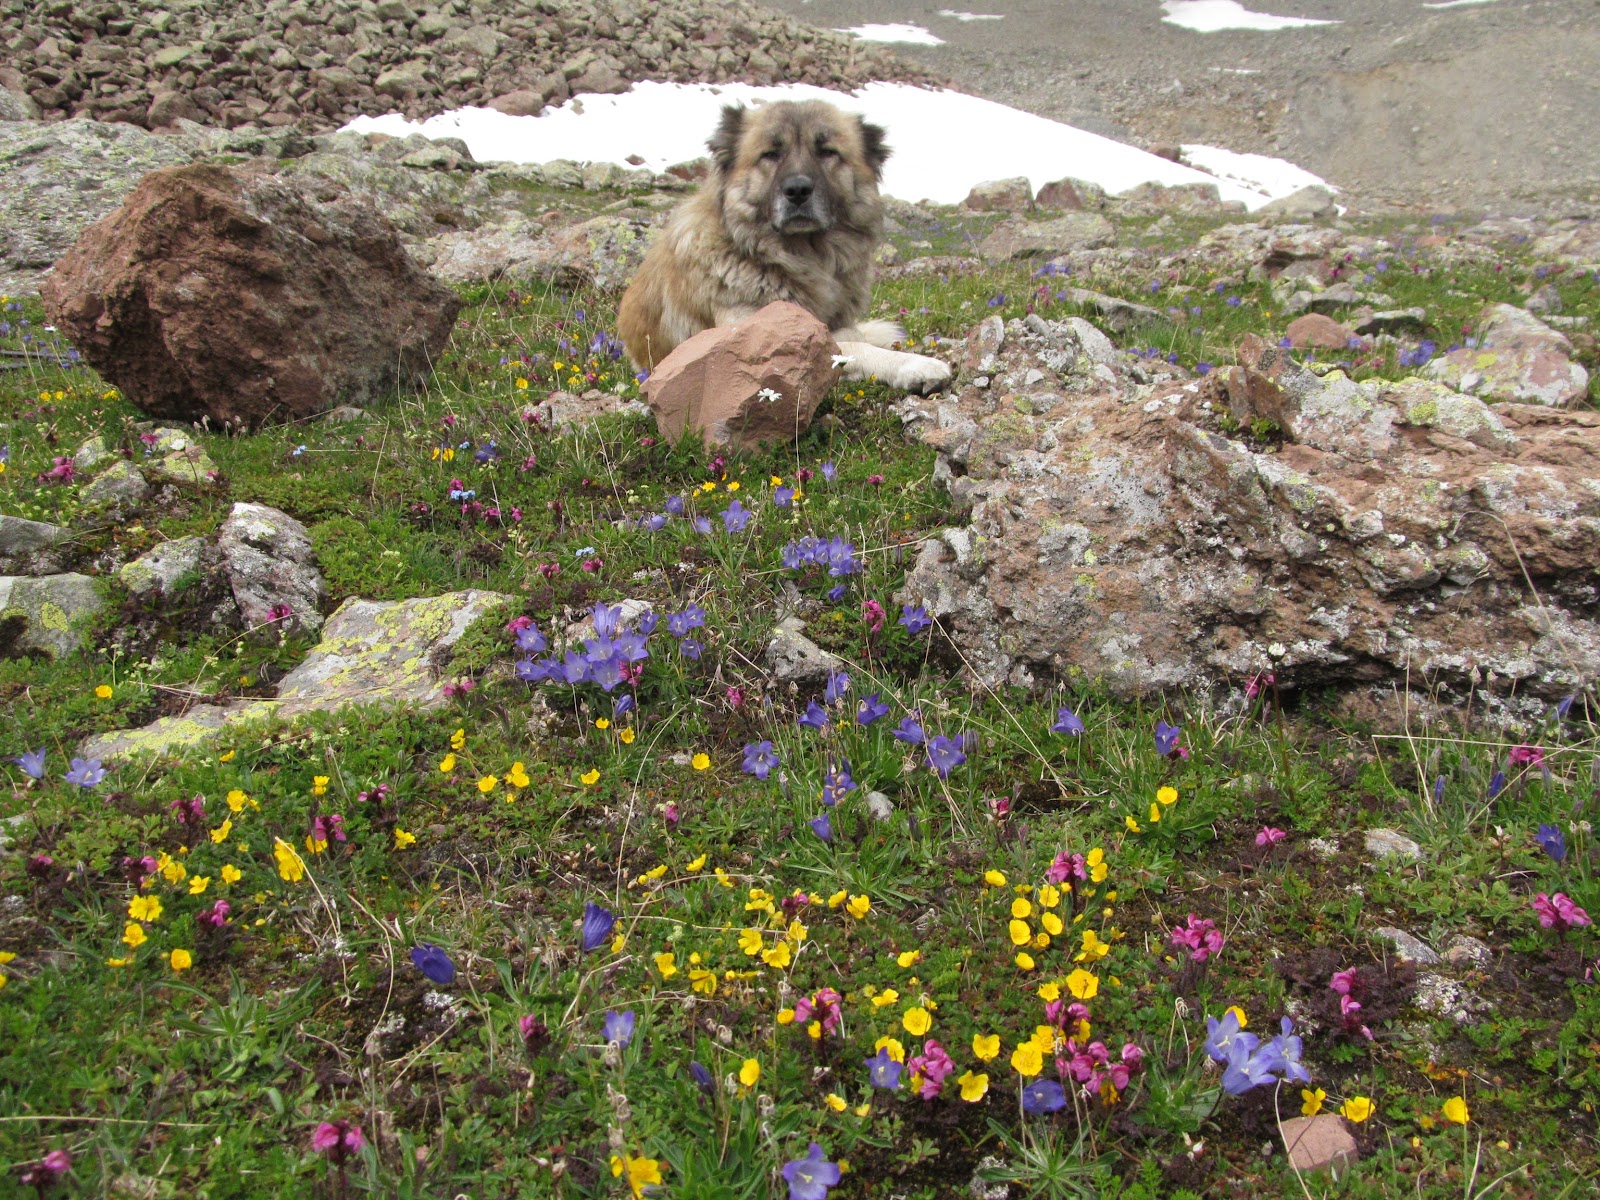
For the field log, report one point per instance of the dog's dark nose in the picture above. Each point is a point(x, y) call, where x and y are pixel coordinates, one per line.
point(797, 189)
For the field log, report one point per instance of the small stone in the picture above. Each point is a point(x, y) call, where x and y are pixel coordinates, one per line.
point(157, 570)
point(794, 658)
point(1387, 843)
point(1018, 239)
point(1318, 331)
point(1544, 301)
point(346, 413)
point(1394, 320)
point(49, 611)
point(1120, 315)
point(1465, 951)
point(1001, 195)
point(1308, 203)
point(1408, 948)
point(120, 483)
point(880, 806)
point(267, 555)
point(1320, 1143)
point(27, 547)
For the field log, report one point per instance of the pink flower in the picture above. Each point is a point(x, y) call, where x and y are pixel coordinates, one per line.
point(1529, 756)
point(1068, 868)
point(1259, 683)
point(875, 480)
point(933, 1065)
point(872, 613)
point(216, 916)
point(1269, 837)
point(337, 1139)
point(1344, 982)
point(1200, 936)
point(735, 697)
point(671, 816)
point(1558, 912)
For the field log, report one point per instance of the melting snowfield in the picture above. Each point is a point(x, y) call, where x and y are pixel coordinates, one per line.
point(943, 142)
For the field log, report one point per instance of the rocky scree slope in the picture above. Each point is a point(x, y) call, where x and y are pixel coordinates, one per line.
point(314, 64)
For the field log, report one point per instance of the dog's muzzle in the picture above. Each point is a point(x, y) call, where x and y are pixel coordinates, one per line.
point(800, 206)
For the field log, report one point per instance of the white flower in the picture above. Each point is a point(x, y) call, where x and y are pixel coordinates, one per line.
point(770, 396)
point(842, 360)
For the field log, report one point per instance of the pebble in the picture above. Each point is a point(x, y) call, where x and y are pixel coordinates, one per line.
point(1386, 843)
point(1320, 1143)
point(1408, 947)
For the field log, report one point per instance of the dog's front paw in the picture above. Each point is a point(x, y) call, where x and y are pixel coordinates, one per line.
point(921, 374)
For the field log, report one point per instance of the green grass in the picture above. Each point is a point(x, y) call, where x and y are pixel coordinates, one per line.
point(306, 1007)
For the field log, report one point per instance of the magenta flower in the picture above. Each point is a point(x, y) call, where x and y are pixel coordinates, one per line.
point(1068, 868)
point(872, 613)
point(1199, 936)
point(1558, 912)
point(1526, 756)
point(933, 1066)
point(824, 1004)
point(337, 1139)
point(1269, 837)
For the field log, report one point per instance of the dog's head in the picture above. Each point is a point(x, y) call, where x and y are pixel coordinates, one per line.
point(800, 167)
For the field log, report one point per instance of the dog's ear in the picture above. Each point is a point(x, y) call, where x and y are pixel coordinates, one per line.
point(873, 146)
point(724, 143)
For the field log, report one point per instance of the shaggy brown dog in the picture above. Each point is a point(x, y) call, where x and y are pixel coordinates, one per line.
point(791, 212)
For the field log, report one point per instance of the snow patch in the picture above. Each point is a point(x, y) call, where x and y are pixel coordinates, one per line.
point(966, 16)
point(910, 35)
point(1457, 3)
point(667, 123)
point(1210, 16)
point(1256, 172)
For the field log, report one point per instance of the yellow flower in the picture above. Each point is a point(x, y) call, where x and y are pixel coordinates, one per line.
point(908, 958)
point(994, 878)
point(231, 873)
point(1155, 813)
point(694, 864)
point(1238, 1015)
point(1026, 1060)
point(103, 691)
point(402, 839)
point(198, 884)
point(640, 1172)
point(1312, 1101)
point(704, 981)
point(700, 762)
point(750, 941)
point(837, 898)
point(724, 878)
point(1051, 922)
point(144, 908)
point(626, 736)
point(916, 1021)
point(487, 783)
point(120, 962)
point(1021, 908)
point(1049, 896)
point(885, 998)
point(1025, 961)
point(1083, 985)
point(237, 800)
point(447, 763)
point(858, 907)
point(174, 872)
point(1093, 948)
point(835, 1102)
point(1044, 1037)
point(1021, 935)
point(863, 1111)
point(734, 486)
point(316, 845)
point(228, 757)
point(750, 1072)
point(221, 832)
point(522, 384)
point(291, 867)
point(1050, 991)
point(973, 1087)
point(666, 965)
point(654, 873)
point(1455, 1110)
point(892, 1045)
point(1357, 1109)
point(786, 1016)
point(778, 957)
point(458, 740)
point(1096, 863)
point(708, 486)
point(1133, 826)
point(814, 1031)
point(517, 776)
point(134, 936)
point(603, 723)
point(797, 932)
point(1167, 795)
point(181, 960)
point(319, 785)
point(590, 777)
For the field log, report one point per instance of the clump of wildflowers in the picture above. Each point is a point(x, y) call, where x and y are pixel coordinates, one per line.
point(1559, 912)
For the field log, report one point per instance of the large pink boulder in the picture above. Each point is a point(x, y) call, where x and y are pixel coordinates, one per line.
point(246, 297)
point(741, 386)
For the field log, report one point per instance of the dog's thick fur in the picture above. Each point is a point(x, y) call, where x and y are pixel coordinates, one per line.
point(790, 212)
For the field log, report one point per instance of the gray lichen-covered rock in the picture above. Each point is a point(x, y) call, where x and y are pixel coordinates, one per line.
point(1388, 843)
point(1407, 946)
point(120, 483)
point(267, 556)
point(1518, 358)
point(1019, 239)
point(371, 652)
point(157, 571)
point(794, 658)
point(176, 456)
point(30, 547)
point(1121, 526)
point(45, 614)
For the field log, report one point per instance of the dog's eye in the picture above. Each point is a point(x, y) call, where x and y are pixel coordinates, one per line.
point(827, 152)
point(772, 155)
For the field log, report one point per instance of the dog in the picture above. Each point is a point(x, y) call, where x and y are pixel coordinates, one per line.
point(790, 211)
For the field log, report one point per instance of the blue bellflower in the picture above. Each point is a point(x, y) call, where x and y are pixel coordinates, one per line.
point(434, 963)
point(914, 618)
point(759, 759)
point(822, 827)
point(1166, 738)
point(1043, 1096)
point(32, 763)
point(86, 773)
point(809, 1178)
point(871, 710)
point(1552, 841)
point(597, 926)
point(883, 1071)
point(944, 756)
point(1067, 722)
point(619, 1028)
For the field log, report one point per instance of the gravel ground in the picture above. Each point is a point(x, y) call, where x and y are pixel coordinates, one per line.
point(1493, 104)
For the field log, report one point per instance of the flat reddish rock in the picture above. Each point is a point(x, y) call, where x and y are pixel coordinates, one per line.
point(1320, 1143)
point(246, 297)
point(1318, 332)
point(743, 385)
